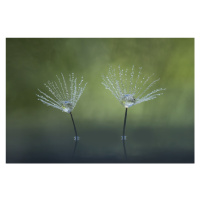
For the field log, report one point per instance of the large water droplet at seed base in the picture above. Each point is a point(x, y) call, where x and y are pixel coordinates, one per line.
point(128, 100)
point(67, 106)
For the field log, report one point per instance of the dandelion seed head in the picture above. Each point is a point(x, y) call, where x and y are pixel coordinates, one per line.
point(62, 95)
point(130, 88)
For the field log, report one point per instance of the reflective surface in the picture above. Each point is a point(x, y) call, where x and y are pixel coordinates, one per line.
point(99, 144)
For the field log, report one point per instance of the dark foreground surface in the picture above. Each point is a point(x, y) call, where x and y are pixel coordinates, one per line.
point(103, 146)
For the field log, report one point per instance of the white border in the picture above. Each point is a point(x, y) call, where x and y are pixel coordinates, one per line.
point(99, 19)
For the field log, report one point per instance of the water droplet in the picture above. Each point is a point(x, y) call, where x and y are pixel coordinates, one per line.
point(123, 137)
point(128, 100)
point(76, 138)
point(67, 106)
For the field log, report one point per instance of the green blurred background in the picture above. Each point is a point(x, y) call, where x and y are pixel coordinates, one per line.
point(158, 131)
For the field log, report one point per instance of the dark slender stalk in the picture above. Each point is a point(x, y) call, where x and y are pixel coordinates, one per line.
point(74, 126)
point(123, 138)
point(124, 145)
point(75, 146)
point(125, 122)
point(76, 137)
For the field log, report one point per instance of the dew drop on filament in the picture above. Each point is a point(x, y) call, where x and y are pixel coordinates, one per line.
point(67, 106)
point(128, 100)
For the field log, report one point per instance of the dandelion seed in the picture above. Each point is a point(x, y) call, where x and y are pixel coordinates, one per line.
point(62, 97)
point(130, 89)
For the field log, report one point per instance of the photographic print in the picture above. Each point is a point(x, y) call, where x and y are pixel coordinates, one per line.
point(100, 100)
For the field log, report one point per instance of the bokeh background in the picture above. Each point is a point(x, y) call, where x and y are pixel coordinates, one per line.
point(158, 131)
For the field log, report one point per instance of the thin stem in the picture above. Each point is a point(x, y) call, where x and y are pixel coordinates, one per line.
point(124, 145)
point(123, 138)
point(76, 137)
point(125, 122)
point(74, 126)
point(75, 146)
